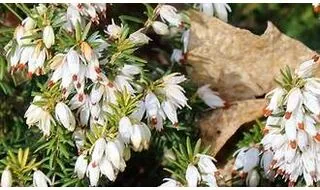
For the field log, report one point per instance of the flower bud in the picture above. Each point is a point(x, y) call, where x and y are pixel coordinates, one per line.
point(65, 116)
point(160, 28)
point(139, 38)
point(6, 178)
point(48, 36)
point(192, 176)
point(81, 166)
point(40, 179)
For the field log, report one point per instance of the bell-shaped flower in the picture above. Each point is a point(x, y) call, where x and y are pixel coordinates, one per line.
point(171, 112)
point(169, 13)
point(293, 102)
point(251, 159)
point(113, 154)
point(206, 164)
point(94, 174)
point(40, 179)
point(65, 116)
point(113, 30)
point(210, 97)
point(48, 36)
point(6, 178)
point(192, 176)
point(125, 129)
point(107, 169)
point(221, 11)
point(152, 105)
point(209, 180)
point(277, 95)
point(139, 38)
point(160, 28)
point(99, 149)
point(80, 167)
point(253, 178)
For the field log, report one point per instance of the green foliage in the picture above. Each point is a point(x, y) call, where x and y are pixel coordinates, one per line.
point(253, 136)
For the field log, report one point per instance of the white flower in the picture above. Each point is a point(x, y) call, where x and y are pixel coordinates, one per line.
point(93, 173)
point(114, 154)
point(176, 56)
point(152, 105)
point(169, 13)
point(73, 17)
point(206, 164)
point(6, 178)
point(240, 156)
point(293, 102)
point(251, 159)
point(210, 180)
point(106, 169)
point(99, 149)
point(140, 137)
point(266, 161)
point(277, 95)
point(160, 28)
point(192, 176)
point(171, 112)
point(28, 23)
point(169, 183)
point(307, 68)
point(291, 132)
point(253, 178)
point(173, 91)
point(40, 179)
point(139, 38)
point(210, 97)
point(48, 36)
point(65, 116)
point(221, 11)
point(207, 8)
point(73, 61)
point(80, 167)
point(311, 102)
point(37, 116)
point(125, 129)
point(139, 112)
point(113, 30)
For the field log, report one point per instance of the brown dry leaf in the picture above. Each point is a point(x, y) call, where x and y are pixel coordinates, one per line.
point(238, 63)
point(219, 126)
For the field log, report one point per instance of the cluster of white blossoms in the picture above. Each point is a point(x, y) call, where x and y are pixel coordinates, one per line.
point(39, 179)
point(291, 131)
point(85, 86)
point(107, 158)
point(247, 162)
point(204, 172)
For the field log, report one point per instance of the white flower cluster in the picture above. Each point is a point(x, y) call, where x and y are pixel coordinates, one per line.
point(247, 160)
point(291, 128)
point(204, 171)
point(107, 158)
point(87, 96)
point(39, 179)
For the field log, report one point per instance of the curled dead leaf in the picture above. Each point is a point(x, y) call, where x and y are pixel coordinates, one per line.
point(217, 128)
point(238, 63)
